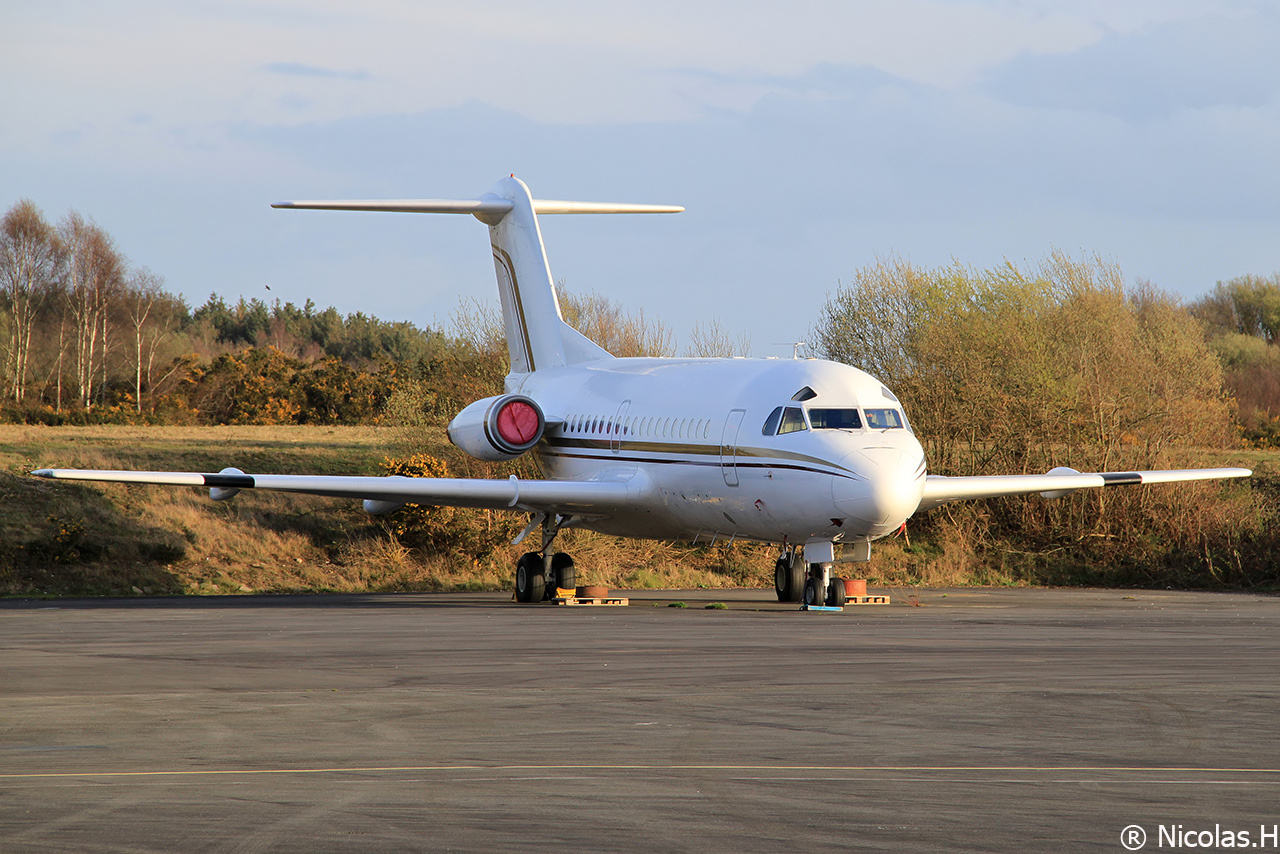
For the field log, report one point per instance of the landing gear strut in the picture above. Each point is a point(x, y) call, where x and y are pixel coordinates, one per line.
point(539, 574)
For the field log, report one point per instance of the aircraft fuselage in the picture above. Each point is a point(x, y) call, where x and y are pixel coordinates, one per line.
point(698, 435)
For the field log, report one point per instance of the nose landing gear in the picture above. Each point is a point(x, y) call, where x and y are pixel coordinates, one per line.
point(821, 589)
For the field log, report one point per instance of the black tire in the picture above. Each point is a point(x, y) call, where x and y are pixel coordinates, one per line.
point(811, 595)
point(530, 578)
point(788, 579)
point(797, 578)
point(782, 580)
point(563, 572)
point(836, 593)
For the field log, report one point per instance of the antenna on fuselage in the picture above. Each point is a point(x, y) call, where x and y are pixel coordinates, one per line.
point(794, 345)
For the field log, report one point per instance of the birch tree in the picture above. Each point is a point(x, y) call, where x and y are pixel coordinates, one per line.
point(31, 261)
point(95, 272)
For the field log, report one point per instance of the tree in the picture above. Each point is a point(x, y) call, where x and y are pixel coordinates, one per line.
point(1248, 305)
point(1242, 322)
point(621, 332)
point(710, 340)
point(154, 314)
point(479, 324)
point(31, 264)
point(95, 276)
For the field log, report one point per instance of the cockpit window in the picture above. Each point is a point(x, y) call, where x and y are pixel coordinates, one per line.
point(771, 423)
point(792, 421)
point(883, 419)
point(804, 394)
point(835, 419)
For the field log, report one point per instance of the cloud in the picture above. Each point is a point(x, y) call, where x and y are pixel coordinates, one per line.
point(1190, 64)
point(302, 70)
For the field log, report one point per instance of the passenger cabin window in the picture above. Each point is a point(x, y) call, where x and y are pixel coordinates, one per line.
point(835, 419)
point(884, 419)
point(792, 421)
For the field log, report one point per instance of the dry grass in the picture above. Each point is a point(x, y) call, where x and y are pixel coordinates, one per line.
point(73, 538)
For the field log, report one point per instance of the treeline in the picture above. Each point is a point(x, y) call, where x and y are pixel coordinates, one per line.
point(89, 338)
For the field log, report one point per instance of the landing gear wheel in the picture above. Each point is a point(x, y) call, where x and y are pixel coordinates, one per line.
point(836, 593)
point(788, 579)
point(811, 591)
point(530, 578)
point(562, 571)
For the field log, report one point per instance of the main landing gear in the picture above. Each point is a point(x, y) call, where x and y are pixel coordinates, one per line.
point(812, 584)
point(535, 569)
point(538, 574)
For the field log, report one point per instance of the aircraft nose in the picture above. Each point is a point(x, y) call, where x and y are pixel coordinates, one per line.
point(889, 492)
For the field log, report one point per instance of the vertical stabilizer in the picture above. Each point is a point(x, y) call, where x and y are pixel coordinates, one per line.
point(529, 306)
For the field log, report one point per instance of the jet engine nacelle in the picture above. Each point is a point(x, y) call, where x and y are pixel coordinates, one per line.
point(498, 428)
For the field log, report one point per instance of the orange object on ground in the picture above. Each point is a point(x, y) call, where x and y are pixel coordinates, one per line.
point(855, 587)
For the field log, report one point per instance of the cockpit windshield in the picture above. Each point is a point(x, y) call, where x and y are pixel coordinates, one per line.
point(884, 419)
point(792, 421)
point(835, 419)
point(784, 420)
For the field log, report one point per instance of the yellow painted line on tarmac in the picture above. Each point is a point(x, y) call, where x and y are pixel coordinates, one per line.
point(862, 769)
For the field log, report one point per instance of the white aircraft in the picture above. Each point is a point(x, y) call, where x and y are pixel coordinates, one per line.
point(804, 453)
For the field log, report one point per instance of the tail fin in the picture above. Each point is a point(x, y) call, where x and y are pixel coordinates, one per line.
point(537, 336)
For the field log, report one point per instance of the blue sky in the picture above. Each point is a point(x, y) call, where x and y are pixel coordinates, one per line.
point(805, 141)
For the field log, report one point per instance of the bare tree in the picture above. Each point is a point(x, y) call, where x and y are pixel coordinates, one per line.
point(95, 272)
point(710, 340)
point(145, 290)
point(621, 332)
point(31, 261)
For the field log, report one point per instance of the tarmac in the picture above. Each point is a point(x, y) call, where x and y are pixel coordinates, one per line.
point(956, 720)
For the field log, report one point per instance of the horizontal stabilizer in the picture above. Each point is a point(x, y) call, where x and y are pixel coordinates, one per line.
point(489, 209)
point(548, 206)
point(490, 206)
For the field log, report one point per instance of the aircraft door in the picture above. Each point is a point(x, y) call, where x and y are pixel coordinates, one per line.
point(615, 437)
point(729, 446)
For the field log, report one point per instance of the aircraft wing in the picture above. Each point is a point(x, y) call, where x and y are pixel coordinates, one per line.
point(383, 494)
point(1056, 483)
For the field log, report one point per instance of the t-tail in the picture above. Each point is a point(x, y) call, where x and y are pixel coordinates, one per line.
point(537, 336)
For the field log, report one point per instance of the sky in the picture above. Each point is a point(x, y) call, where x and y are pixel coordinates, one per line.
point(806, 141)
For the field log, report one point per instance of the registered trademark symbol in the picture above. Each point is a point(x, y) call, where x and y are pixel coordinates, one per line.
point(1133, 838)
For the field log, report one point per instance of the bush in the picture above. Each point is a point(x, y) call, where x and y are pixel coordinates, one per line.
point(455, 531)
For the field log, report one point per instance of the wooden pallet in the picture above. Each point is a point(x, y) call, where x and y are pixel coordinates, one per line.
point(591, 600)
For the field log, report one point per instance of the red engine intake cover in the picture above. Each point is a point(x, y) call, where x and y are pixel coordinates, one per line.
point(519, 424)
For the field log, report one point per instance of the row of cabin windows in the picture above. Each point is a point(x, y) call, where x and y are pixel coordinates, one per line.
point(654, 426)
point(791, 419)
point(783, 419)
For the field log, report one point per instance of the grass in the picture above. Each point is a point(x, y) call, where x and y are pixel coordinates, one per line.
point(65, 538)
